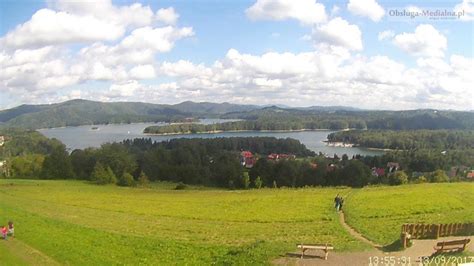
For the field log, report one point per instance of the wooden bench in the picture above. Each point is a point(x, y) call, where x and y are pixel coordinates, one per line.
point(324, 247)
point(451, 246)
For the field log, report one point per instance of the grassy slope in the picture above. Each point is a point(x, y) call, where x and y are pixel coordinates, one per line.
point(379, 212)
point(86, 224)
point(77, 223)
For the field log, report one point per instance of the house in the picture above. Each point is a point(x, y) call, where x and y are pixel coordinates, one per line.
point(280, 156)
point(331, 167)
point(393, 167)
point(2, 140)
point(3, 167)
point(378, 172)
point(457, 170)
point(470, 175)
point(247, 159)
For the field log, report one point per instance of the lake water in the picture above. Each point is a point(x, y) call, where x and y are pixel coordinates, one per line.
point(84, 136)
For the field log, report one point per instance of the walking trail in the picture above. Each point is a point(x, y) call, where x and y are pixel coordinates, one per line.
point(27, 254)
point(419, 249)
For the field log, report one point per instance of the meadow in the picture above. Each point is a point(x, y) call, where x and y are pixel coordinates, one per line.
point(77, 223)
point(379, 212)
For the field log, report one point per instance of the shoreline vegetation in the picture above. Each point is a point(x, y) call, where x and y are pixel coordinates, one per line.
point(233, 131)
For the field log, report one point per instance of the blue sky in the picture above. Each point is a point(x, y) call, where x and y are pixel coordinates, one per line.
point(256, 52)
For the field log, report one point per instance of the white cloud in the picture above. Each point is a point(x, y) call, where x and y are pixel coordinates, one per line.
point(37, 59)
point(338, 32)
point(157, 39)
point(48, 27)
point(366, 8)
point(386, 34)
point(305, 11)
point(425, 41)
point(142, 72)
point(167, 15)
point(467, 7)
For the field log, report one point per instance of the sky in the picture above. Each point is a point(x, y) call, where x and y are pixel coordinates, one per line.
point(370, 54)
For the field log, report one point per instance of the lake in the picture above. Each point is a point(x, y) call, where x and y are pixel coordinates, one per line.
point(81, 137)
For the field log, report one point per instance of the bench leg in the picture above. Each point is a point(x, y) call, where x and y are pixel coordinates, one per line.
point(326, 255)
point(302, 253)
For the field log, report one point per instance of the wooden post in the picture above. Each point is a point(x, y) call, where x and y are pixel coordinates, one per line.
point(326, 252)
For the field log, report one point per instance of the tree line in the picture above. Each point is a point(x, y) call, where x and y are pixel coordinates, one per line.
point(407, 139)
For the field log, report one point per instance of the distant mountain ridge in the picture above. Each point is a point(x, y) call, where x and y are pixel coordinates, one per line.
point(85, 112)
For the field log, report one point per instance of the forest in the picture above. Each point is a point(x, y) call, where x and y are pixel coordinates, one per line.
point(216, 162)
point(290, 119)
point(407, 139)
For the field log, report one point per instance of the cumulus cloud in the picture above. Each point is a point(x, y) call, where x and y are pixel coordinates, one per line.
point(48, 27)
point(425, 41)
point(167, 15)
point(37, 60)
point(366, 8)
point(386, 34)
point(142, 72)
point(338, 32)
point(305, 11)
point(466, 6)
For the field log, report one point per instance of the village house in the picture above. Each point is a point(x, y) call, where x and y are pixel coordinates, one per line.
point(247, 159)
point(393, 167)
point(457, 171)
point(280, 156)
point(378, 172)
point(470, 175)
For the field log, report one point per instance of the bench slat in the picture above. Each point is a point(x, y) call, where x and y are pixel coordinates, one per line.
point(315, 247)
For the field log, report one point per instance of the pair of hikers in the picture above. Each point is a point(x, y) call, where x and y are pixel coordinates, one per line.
point(8, 231)
point(338, 201)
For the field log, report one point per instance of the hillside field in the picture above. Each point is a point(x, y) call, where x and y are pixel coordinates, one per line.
point(72, 222)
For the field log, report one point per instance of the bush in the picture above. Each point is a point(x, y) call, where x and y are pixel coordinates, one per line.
point(143, 180)
point(180, 186)
point(421, 179)
point(126, 180)
point(102, 176)
point(398, 178)
point(439, 176)
point(246, 180)
point(258, 182)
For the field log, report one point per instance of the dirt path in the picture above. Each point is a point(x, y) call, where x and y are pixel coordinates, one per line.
point(27, 253)
point(412, 255)
point(354, 233)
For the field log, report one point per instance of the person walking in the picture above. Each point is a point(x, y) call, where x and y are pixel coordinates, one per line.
point(4, 232)
point(337, 202)
point(11, 229)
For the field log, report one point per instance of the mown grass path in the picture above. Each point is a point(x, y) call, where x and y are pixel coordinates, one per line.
point(19, 253)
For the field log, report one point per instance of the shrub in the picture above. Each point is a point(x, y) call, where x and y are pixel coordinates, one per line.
point(126, 180)
point(398, 178)
point(143, 180)
point(102, 175)
point(439, 176)
point(246, 180)
point(180, 186)
point(258, 182)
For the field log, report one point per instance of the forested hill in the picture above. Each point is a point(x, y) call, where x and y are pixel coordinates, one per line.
point(361, 119)
point(276, 118)
point(83, 112)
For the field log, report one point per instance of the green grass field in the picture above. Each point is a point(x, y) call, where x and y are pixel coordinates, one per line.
point(379, 212)
point(77, 223)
